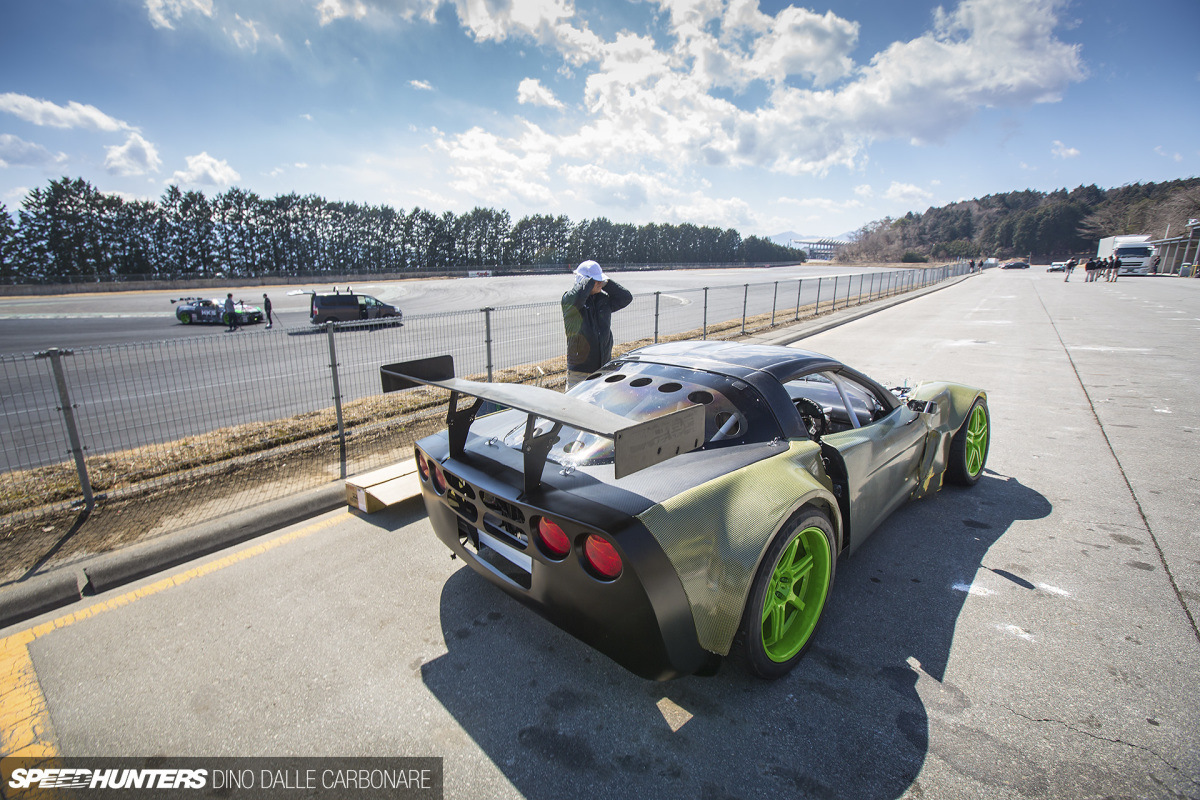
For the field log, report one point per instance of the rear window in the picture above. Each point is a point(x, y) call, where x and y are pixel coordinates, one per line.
point(734, 412)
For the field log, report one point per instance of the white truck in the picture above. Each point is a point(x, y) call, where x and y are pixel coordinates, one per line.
point(1134, 254)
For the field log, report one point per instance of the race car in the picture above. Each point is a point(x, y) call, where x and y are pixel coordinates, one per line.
point(689, 500)
point(212, 311)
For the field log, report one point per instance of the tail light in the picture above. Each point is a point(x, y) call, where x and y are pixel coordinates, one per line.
point(602, 557)
point(439, 480)
point(552, 539)
point(422, 467)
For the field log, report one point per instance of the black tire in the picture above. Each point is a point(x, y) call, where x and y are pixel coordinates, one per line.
point(774, 589)
point(185, 318)
point(969, 448)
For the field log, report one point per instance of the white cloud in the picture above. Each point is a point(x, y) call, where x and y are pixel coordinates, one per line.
point(907, 194)
point(329, 10)
point(247, 34)
point(164, 12)
point(206, 170)
point(46, 113)
point(530, 90)
point(1176, 157)
point(605, 188)
point(17, 152)
point(821, 203)
point(136, 157)
point(483, 165)
point(424, 86)
point(499, 20)
point(653, 106)
point(864, 190)
point(1060, 150)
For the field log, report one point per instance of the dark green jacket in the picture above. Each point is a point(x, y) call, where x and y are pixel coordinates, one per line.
point(587, 319)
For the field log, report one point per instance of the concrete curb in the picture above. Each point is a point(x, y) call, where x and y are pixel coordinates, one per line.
point(38, 595)
point(61, 587)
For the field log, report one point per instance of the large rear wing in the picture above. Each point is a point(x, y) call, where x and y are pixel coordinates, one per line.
point(637, 444)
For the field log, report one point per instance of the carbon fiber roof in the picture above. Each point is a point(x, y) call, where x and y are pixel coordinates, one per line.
point(731, 358)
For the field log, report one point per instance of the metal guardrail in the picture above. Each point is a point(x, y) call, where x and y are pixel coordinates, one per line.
point(257, 415)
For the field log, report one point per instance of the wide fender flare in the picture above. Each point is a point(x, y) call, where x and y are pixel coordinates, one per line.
point(954, 402)
point(715, 534)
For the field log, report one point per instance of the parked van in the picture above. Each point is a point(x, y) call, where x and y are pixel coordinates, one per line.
point(349, 306)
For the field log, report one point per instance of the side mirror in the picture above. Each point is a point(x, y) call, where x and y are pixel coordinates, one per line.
point(923, 406)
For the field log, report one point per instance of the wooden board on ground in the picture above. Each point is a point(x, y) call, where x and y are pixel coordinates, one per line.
point(375, 491)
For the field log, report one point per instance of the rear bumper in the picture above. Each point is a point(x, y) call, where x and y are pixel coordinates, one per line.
point(642, 620)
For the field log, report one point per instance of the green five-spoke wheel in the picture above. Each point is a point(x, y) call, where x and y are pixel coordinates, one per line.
point(788, 596)
point(969, 448)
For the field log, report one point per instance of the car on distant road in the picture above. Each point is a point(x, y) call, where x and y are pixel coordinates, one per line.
point(1016, 265)
point(211, 311)
point(687, 500)
point(1057, 266)
point(349, 306)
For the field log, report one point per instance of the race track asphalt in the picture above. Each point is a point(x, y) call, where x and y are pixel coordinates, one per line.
point(1032, 637)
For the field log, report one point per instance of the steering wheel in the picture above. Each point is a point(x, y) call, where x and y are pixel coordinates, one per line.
point(813, 417)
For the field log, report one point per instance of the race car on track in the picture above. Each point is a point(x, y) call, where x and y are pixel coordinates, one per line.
point(689, 500)
point(212, 311)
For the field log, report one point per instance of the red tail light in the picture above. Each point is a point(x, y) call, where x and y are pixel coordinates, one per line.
point(422, 467)
point(554, 540)
point(439, 480)
point(602, 557)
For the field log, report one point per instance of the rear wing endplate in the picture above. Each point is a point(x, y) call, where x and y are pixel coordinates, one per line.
point(637, 444)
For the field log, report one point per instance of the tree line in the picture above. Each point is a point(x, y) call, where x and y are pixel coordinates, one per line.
point(1031, 223)
point(72, 232)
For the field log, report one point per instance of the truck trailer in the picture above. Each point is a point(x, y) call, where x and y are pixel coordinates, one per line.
point(1134, 255)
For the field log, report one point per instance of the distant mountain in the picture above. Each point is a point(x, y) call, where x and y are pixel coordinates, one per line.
point(787, 237)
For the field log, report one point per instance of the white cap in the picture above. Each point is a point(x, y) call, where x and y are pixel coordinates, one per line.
point(590, 269)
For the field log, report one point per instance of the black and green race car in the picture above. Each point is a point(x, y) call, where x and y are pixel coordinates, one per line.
point(689, 501)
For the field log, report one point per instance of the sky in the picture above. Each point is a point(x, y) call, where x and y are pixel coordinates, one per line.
point(746, 114)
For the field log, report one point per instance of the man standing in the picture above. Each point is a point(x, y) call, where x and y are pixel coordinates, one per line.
point(230, 314)
point(588, 307)
point(267, 309)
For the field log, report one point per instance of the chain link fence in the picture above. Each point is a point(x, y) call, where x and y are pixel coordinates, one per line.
point(229, 421)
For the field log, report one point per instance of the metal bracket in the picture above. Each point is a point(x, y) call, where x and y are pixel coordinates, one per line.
point(536, 448)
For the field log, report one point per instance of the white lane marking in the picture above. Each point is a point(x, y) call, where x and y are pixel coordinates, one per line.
point(1045, 587)
point(970, 588)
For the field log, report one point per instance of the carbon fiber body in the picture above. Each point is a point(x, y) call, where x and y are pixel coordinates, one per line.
point(692, 530)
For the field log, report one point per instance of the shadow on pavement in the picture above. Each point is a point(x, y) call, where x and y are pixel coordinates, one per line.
point(557, 718)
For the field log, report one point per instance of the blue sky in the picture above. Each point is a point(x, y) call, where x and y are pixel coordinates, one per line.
point(749, 114)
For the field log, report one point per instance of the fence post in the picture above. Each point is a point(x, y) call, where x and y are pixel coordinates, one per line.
point(487, 321)
point(774, 298)
point(817, 308)
point(60, 379)
point(799, 289)
point(656, 299)
point(704, 329)
point(745, 297)
point(337, 394)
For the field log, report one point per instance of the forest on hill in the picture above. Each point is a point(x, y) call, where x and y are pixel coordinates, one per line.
point(70, 232)
point(1030, 223)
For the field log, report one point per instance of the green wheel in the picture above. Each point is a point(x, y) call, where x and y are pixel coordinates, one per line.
point(788, 597)
point(185, 318)
point(969, 448)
